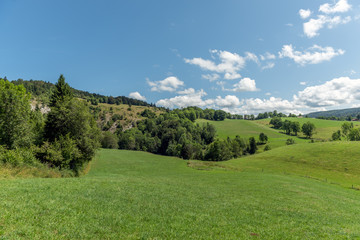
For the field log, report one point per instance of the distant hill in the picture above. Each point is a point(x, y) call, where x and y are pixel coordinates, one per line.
point(42, 90)
point(341, 113)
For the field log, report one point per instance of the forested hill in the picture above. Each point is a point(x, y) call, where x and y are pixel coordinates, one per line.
point(341, 113)
point(42, 90)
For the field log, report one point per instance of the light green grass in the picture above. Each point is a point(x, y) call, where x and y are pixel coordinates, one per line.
point(246, 129)
point(137, 195)
point(332, 162)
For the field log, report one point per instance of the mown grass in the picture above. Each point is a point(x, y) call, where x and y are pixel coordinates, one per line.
point(137, 195)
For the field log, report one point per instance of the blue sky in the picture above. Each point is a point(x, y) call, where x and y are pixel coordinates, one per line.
point(240, 56)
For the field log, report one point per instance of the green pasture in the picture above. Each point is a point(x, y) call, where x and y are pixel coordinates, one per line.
point(138, 195)
point(246, 129)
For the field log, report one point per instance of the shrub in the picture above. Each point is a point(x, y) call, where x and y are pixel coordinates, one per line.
point(290, 141)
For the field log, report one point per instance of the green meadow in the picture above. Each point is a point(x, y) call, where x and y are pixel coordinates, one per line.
point(137, 195)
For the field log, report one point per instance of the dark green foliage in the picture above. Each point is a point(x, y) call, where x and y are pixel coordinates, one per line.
point(218, 151)
point(61, 153)
point(308, 129)
point(336, 136)
point(276, 122)
point(346, 128)
point(15, 116)
point(42, 90)
point(267, 148)
point(61, 93)
point(295, 127)
point(69, 120)
point(263, 138)
point(252, 145)
point(109, 140)
point(18, 156)
point(286, 126)
point(354, 134)
point(290, 141)
point(341, 114)
point(148, 113)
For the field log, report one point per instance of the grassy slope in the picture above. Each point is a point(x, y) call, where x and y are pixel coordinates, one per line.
point(333, 162)
point(324, 128)
point(132, 195)
point(246, 129)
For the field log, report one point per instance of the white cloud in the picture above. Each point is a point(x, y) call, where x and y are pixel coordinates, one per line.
point(312, 27)
point(191, 99)
point(244, 85)
point(289, 24)
point(211, 77)
point(187, 91)
point(269, 65)
point(304, 13)
point(313, 55)
point(340, 7)
point(257, 105)
point(303, 83)
point(137, 96)
point(230, 101)
point(267, 94)
point(267, 56)
point(170, 84)
point(252, 57)
point(338, 91)
point(230, 63)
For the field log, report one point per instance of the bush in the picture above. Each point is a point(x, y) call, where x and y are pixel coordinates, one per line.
point(267, 148)
point(109, 140)
point(290, 141)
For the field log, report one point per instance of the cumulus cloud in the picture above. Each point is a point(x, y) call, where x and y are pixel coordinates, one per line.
point(230, 63)
point(304, 13)
point(211, 77)
point(244, 85)
point(338, 91)
point(137, 96)
point(303, 83)
point(170, 84)
point(312, 27)
point(230, 101)
point(340, 7)
point(313, 55)
point(191, 99)
point(257, 105)
point(187, 91)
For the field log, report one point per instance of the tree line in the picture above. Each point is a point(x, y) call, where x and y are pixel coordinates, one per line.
point(293, 127)
point(174, 134)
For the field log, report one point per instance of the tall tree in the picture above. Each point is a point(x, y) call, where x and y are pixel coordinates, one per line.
point(15, 127)
point(308, 129)
point(61, 93)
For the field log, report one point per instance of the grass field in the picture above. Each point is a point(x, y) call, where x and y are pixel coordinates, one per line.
point(137, 195)
point(324, 128)
point(246, 129)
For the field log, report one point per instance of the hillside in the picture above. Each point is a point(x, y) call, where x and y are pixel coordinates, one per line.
point(137, 195)
point(331, 162)
point(41, 90)
point(340, 113)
